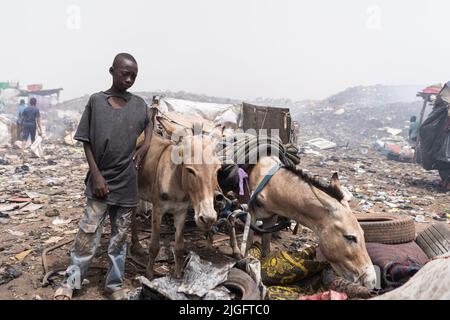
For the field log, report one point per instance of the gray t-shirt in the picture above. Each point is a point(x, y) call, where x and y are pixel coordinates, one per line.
point(112, 134)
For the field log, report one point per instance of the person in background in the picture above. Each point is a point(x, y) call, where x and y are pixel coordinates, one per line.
point(413, 129)
point(31, 121)
point(20, 109)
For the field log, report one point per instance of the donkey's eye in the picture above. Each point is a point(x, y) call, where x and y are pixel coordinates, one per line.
point(350, 238)
point(191, 171)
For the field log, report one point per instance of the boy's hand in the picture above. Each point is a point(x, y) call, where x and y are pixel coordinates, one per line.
point(139, 155)
point(99, 185)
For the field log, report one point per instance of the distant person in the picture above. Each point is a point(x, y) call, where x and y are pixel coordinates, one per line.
point(20, 109)
point(31, 121)
point(109, 128)
point(413, 129)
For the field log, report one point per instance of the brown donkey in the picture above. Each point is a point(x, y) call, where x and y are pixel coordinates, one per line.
point(174, 176)
point(324, 209)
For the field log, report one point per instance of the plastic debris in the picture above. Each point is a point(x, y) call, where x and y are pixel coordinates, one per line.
point(21, 256)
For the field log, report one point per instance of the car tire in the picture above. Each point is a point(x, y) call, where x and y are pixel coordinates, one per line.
point(387, 229)
point(434, 240)
point(241, 283)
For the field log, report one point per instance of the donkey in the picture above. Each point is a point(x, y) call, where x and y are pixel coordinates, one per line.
point(324, 209)
point(174, 176)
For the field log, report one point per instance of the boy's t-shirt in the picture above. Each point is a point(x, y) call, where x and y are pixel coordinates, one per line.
point(112, 134)
point(29, 116)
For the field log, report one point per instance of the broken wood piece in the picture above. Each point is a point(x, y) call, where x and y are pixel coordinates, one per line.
point(221, 239)
point(19, 200)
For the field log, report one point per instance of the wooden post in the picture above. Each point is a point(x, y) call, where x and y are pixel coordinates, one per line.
point(422, 113)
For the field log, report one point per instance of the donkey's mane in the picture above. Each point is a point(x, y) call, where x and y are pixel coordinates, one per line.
point(331, 189)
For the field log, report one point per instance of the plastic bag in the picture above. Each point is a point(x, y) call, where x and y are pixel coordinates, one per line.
point(36, 147)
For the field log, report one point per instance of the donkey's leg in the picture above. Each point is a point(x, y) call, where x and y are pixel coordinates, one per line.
point(251, 234)
point(233, 239)
point(179, 220)
point(136, 248)
point(267, 237)
point(154, 242)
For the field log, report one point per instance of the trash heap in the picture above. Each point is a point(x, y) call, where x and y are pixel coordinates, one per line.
point(41, 199)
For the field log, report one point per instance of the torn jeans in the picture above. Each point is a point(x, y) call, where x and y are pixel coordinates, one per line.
point(88, 239)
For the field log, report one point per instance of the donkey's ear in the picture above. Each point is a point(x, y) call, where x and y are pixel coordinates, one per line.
point(345, 193)
point(335, 184)
point(168, 126)
point(174, 131)
point(335, 180)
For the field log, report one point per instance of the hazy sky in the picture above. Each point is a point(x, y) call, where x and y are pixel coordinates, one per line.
point(231, 48)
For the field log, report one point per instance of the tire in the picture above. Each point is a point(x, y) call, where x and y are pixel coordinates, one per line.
point(434, 240)
point(241, 282)
point(387, 229)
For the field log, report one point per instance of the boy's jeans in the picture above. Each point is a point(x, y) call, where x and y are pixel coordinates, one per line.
point(88, 239)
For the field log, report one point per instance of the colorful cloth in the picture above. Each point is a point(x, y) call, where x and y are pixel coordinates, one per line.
point(284, 268)
point(397, 273)
point(242, 176)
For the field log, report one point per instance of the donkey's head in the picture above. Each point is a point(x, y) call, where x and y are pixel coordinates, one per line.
point(198, 163)
point(342, 238)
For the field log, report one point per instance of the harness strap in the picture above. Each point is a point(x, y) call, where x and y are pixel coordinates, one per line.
point(265, 181)
point(285, 222)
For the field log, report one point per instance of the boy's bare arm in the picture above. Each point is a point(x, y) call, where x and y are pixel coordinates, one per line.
point(100, 187)
point(142, 150)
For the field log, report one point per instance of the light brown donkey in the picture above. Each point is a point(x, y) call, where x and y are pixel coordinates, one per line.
point(323, 208)
point(174, 176)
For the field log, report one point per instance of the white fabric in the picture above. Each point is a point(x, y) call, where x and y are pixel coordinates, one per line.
point(227, 115)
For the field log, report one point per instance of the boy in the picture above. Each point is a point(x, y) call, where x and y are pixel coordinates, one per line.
point(109, 128)
point(31, 120)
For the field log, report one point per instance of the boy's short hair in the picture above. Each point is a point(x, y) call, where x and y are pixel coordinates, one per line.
point(413, 119)
point(125, 56)
point(33, 101)
point(22, 101)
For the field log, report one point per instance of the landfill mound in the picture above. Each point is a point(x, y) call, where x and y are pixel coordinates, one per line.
point(374, 95)
point(355, 124)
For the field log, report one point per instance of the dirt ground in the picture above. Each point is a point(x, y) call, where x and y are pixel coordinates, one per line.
point(55, 186)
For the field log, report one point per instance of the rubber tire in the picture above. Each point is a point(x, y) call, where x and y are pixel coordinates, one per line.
point(434, 240)
point(240, 280)
point(387, 229)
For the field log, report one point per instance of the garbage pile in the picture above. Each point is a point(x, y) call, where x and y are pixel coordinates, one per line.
point(358, 115)
point(41, 203)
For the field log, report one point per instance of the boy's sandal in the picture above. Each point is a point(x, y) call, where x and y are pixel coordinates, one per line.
point(63, 293)
point(121, 294)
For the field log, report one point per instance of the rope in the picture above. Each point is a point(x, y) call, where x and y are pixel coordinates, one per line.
point(244, 148)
